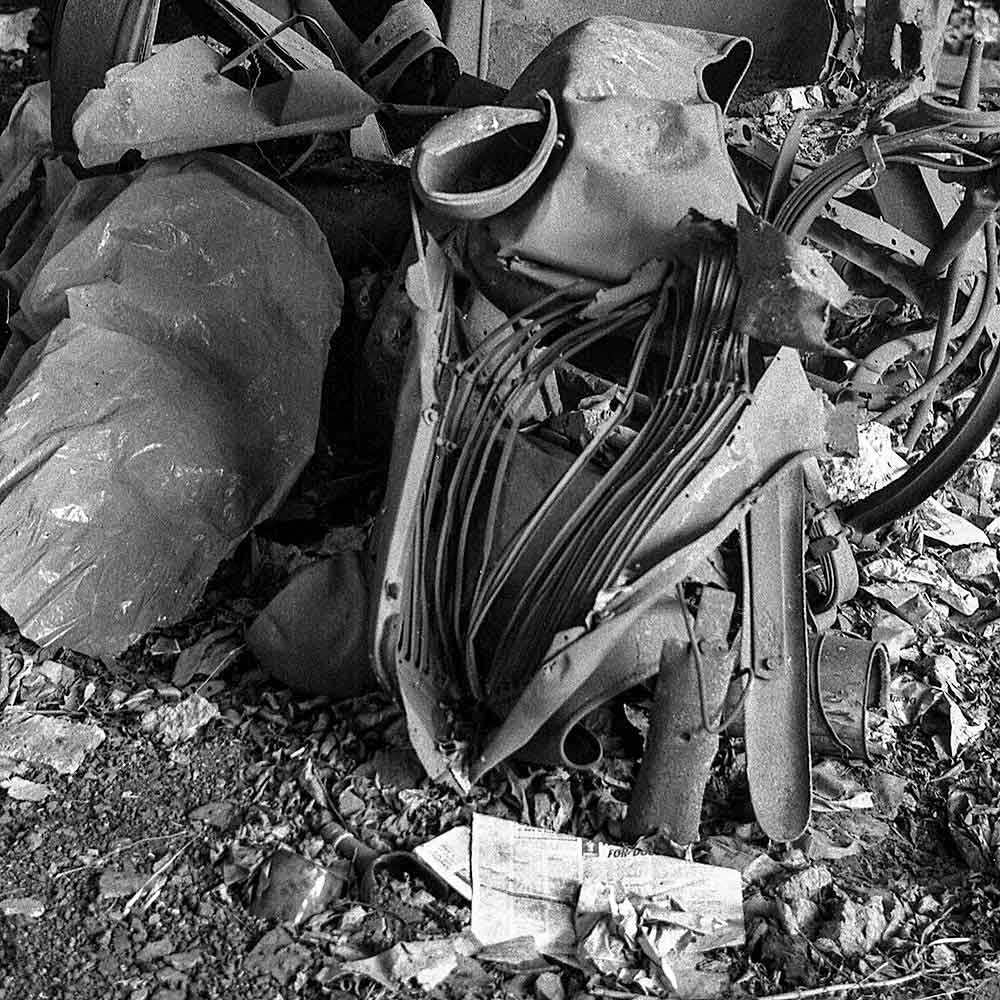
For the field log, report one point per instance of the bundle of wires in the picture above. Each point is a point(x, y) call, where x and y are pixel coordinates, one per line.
point(687, 365)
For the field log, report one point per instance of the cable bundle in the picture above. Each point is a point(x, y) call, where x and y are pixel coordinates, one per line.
point(471, 586)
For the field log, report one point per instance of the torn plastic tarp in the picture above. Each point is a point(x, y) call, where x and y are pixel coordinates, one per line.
point(170, 404)
point(26, 139)
point(176, 101)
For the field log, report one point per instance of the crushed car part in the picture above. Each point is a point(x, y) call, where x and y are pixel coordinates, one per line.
point(641, 106)
point(404, 58)
point(283, 51)
point(928, 147)
point(848, 692)
point(849, 679)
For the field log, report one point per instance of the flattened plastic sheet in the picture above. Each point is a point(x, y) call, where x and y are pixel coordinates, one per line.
point(170, 403)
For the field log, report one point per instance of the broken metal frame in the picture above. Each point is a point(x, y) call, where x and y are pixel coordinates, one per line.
point(925, 147)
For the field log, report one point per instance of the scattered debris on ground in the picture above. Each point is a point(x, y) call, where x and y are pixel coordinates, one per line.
point(610, 671)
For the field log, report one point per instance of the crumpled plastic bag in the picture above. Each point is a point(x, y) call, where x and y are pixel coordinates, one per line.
point(25, 140)
point(170, 403)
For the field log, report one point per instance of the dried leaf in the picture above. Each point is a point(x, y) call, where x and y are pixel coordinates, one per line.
point(207, 656)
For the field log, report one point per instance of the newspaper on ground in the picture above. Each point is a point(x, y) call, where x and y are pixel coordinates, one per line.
point(448, 856)
point(531, 881)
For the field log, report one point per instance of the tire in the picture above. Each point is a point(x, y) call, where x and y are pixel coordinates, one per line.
point(88, 38)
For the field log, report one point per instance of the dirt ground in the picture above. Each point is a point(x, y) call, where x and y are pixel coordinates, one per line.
point(138, 873)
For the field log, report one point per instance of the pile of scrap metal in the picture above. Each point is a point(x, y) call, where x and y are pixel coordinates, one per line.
point(605, 461)
point(605, 467)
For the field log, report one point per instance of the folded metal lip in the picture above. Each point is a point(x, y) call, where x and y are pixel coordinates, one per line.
point(450, 154)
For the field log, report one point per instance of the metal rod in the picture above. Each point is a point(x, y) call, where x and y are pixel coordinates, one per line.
point(277, 30)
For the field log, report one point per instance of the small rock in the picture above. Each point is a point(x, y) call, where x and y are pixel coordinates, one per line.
point(116, 884)
point(350, 803)
point(181, 722)
point(45, 739)
point(548, 986)
point(154, 951)
point(890, 793)
point(218, 814)
point(856, 928)
point(173, 978)
point(22, 790)
point(805, 914)
point(14, 29)
point(943, 673)
point(875, 922)
point(22, 906)
point(184, 961)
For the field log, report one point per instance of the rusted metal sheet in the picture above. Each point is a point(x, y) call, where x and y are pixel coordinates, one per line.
point(640, 106)
point(787, 289)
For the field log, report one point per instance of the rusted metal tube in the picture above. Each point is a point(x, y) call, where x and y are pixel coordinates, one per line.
point(679, 750)
point(939, 349)
point(968, 96)
point(848, 677)
point(978, 205)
